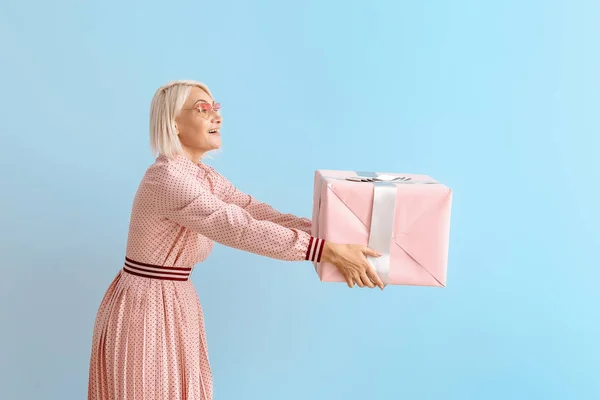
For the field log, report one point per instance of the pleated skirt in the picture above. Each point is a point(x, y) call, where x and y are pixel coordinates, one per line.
point(149, 342)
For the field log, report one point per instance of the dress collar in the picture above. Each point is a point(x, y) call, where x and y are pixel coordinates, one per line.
point(186, 164)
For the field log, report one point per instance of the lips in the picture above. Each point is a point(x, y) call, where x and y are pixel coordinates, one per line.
point(213, 131)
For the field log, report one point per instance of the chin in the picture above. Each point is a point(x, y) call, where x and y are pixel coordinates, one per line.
point(216, 143)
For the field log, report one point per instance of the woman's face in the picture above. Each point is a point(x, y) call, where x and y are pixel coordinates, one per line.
point(199, 124)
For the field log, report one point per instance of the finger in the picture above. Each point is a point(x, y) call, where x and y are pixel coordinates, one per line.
point(349, 281)
point(358, 281)
point(374, 277)
point(366, 280)
point(370, 252)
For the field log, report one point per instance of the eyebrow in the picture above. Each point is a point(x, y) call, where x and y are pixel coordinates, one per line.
point(201, 101)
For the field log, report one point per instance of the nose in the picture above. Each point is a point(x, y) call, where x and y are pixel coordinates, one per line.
point(216, 119)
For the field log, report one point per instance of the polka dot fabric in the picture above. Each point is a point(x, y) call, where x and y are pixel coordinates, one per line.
point(149, 340)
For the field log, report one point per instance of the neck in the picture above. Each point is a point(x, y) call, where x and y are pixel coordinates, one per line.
point(194, 156)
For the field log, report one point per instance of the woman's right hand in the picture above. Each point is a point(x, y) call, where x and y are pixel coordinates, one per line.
point(351, 261)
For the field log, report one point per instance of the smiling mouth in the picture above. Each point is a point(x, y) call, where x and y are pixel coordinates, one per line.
point(213, 131)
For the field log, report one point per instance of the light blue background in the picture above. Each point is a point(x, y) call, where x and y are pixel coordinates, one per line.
point(499, 100)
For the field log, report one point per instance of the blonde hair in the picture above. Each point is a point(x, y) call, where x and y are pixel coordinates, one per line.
point(166, 104)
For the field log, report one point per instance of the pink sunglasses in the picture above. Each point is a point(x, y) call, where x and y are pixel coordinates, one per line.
point(216, 107)
point(205, 108)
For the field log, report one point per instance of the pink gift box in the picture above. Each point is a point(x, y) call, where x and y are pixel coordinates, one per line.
point(409, 214)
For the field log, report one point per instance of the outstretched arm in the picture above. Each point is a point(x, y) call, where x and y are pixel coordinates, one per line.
point(182, 199)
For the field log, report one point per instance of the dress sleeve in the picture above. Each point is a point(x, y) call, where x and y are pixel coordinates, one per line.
point(228, 193)
point(183, 200)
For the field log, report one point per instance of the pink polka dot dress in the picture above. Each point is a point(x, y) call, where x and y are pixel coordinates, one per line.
point(149, 341)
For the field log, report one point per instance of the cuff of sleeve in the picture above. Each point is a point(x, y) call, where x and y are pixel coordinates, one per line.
point(315, 249)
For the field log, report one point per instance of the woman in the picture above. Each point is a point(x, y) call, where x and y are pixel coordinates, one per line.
point(149, 340)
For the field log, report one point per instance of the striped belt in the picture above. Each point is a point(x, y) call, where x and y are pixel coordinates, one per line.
point(156, 271)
